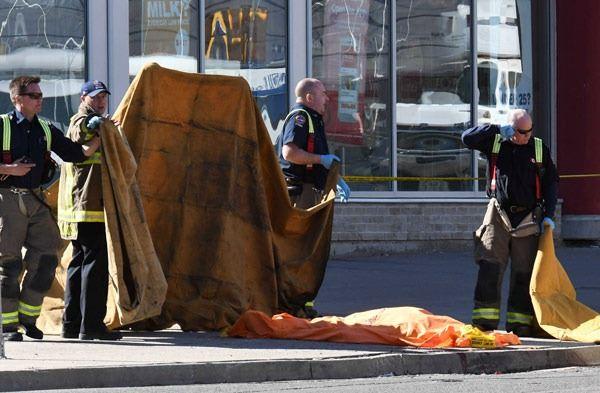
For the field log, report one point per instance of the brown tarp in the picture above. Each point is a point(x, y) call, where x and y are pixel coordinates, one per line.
point(216, 203)
point(403, 326)
point(216, 206)
point(137, 286)
point(555, 300)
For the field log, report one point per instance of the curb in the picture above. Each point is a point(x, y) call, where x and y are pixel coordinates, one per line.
point(438, 362)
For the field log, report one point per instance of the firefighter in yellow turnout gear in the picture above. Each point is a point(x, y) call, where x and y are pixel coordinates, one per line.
point(25, 219)
point(81, 220)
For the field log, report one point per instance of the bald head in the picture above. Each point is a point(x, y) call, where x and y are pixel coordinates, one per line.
point(306, 86)
point(311, 92)
point(519, 119)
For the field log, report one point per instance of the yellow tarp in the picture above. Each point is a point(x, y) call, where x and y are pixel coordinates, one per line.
point(555, 301)
point(216, 207)
point(137, 285)
point(403, 326)
point(216, 202)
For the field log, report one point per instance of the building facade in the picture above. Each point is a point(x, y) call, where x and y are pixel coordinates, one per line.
point(404, 77)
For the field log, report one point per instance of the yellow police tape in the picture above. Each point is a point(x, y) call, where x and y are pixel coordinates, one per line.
point(478, 338)
point(372, 179)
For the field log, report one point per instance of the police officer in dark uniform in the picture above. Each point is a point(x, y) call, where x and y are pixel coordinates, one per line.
point(304, 155)
point(26, 220)
point(522, 186)
point(302, 147)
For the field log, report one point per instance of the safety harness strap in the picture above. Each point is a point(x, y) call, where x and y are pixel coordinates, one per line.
point(310, 143)
point(6, 138)
point(539, 152)
point(494, 158)
point(539, 155)
point(6, 156)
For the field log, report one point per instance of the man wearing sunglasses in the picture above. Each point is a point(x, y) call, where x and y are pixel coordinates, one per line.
point(25, 219)
point(522, 186)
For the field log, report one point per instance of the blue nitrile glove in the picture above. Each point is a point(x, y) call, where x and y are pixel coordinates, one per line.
point(507, 132)
point(547, 221)
point(94, 122)
point(327, 160)
point(343, 190)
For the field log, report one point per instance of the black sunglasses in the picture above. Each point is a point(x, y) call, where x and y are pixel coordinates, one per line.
point(33, 96)
point(525, 132)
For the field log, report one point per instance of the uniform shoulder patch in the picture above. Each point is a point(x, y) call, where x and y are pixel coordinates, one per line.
point(299, 120)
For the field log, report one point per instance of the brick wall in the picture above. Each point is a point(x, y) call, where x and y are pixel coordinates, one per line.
point(369, 228)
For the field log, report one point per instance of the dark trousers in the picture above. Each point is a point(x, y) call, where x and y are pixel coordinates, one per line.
point(494, 246)
point(87, 281)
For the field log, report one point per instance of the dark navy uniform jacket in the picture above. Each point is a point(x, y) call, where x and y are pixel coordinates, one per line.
point(295, 131)
point(516, 172)
point(29, 140)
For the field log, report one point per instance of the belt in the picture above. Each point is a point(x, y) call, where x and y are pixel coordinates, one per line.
point(518, 209)
point(21, 191)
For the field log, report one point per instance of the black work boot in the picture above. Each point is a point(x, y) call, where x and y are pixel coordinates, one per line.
point(520, 330)
point(32, 331)
point(12, 335)
point(483, 326)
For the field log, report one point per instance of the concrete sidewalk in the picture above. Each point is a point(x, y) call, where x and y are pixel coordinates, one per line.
point(440, 282)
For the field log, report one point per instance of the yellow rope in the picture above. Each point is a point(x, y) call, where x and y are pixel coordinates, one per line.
point(371, 179)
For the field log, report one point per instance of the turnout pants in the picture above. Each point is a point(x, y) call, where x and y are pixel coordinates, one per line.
point(494, 246)
point(25, 222)
point(87, 281)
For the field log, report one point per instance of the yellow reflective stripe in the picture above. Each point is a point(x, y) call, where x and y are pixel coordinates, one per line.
point(311, 129)
point(539, 151)
point(497, 142)
point(93, 159)
point(515, 317)
point(6, 132)
point(81, 216)
point(48, 133)
point(10, 317)
point(309, 304)
point(28, 309)
point(486, 313)
point(65, 205)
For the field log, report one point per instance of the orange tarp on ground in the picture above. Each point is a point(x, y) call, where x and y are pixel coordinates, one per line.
point(555, 301)
point(393, 326)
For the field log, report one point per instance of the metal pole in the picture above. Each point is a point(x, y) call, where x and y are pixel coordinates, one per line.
point(2, 354)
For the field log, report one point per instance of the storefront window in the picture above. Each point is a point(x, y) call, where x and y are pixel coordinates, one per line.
point(45, 38)
point(350, 55)
point(433, 94)
point(504, 60)
point(165, 32)
point(248, 38)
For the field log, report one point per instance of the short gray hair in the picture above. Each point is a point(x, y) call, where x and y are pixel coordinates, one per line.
point(516, 114)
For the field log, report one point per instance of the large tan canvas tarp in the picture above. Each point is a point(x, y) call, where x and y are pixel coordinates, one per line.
point(137, 286)
point(216, 203)
point(555, 300)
